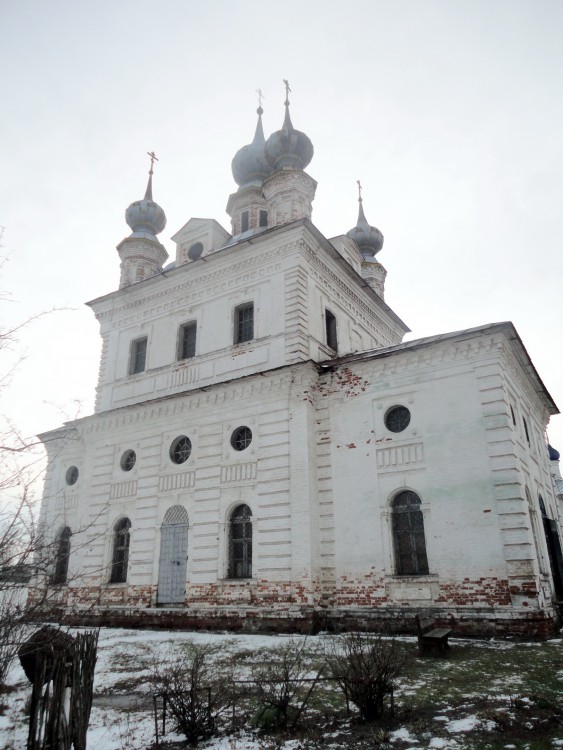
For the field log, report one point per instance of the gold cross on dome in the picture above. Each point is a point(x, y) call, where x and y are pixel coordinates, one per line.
point(154, 158)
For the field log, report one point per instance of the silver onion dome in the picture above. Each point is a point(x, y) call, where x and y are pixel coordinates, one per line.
point(249, 164)
point(146, 216)
point(289, 147)
point(369, 239)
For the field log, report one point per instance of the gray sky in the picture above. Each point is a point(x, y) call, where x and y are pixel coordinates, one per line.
point(449, 112)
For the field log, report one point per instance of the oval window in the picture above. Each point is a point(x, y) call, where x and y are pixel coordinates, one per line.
point(71, 476)
point(128, 460)
point(195, 251)
point(241, 438)
point(181, 449)
point(397, 418)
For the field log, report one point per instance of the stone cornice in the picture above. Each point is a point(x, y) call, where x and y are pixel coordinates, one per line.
point(196, 287)
point(344, 293)
point(301, 374)
point(443, 353)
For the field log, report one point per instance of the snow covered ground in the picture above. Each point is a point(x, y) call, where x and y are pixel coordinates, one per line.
point(122, 719)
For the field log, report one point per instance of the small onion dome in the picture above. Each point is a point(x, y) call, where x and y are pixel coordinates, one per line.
point(146, 216)
point(289, 147)
point(250, 164)
point(369, 239)
point(554, 455)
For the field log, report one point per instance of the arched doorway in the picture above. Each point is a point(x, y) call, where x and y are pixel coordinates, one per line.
point(173, 556)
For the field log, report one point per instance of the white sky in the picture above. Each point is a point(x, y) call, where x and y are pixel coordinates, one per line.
point(449, 112)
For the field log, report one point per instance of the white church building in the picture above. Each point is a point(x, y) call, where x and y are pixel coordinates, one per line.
point(267, 453)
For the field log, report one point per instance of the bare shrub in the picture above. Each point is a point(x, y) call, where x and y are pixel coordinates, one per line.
point(366, 669)
point(197, 688)
point(283, 685)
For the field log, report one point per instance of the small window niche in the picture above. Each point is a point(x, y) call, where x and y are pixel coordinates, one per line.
point(244, 323)
point(263, 220)
point(187, 340)
point(138, 358)
point(330, 326)
point(244, 221)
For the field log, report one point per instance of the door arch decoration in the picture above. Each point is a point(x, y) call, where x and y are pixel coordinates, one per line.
point(173, 556)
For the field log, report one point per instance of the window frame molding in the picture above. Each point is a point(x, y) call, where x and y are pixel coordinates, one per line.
point(331, 330)
point(227, 542)
point(58, 577)
point(238, 323)
point(390, 552)
point(181, 338)
point(113, 548)
point(133, 353)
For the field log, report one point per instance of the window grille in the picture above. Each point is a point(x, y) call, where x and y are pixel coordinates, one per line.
point(120, 560)
point(62, 554)
point(138, 356)
point(186, 348)
point(240, 543)
point(181, 449)
point(244, 323)
point(128, 460)
point(241, 438)
point(263, 218)
point(176, 514)
point(408, 535)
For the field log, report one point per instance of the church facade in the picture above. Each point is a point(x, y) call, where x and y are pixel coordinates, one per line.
point(267, 452)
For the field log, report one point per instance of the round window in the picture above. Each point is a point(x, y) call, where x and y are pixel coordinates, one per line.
point(128, 460)
point(71, 476)
point(241, 438)
point(181, 449)
point(195, 251)
point(397, 418)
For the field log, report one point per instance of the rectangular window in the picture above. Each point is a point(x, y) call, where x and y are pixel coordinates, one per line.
point(244, 323)
point(330, 324)
point(186, 341)
point(138, 356)
point(263, 218)
point(244, 221)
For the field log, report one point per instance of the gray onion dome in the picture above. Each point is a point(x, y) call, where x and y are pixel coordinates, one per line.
point(250, 164)
point(289, 147)
point(146, 216)
point(369, 239)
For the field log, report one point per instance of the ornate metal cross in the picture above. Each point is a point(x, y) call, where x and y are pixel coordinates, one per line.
point(154, 158)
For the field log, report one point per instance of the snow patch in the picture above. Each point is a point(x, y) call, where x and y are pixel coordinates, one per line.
point(402, 734)
point(463, 725)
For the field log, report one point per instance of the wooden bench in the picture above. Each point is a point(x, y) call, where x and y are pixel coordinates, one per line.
point(431, 640)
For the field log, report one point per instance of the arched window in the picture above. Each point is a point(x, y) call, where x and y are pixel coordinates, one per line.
point(62, 552)
point(120, 558)
point(240, 543)
point(408, 535)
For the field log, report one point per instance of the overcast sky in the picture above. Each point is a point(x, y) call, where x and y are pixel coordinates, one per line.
point(449, 112)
